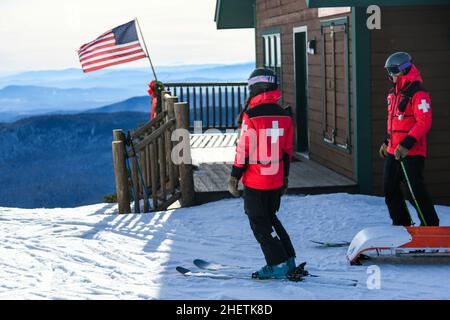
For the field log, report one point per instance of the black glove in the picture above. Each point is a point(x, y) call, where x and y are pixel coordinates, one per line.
point(233, 186)
point(400, 152)
point(383, 150)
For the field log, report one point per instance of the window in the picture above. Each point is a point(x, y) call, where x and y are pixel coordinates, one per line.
point(271, 43)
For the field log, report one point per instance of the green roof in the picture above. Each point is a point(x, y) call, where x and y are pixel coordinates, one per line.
point(235, 14)
point(366, 3)
point(238, 14)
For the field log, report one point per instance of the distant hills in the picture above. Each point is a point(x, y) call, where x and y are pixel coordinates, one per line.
point(71, 90)
point(37, 99)
point(129, 79)
point(135, 104)
point(60, 160)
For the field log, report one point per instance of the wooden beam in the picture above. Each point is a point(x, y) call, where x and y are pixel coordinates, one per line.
point(154, 135)
point(120, 172)
point(148, 126)
point(186, 170)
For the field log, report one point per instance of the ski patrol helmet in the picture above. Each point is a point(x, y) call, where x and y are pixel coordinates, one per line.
point(398, 63)
point(262, 80)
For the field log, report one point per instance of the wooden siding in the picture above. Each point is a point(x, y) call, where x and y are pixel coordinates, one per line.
point(286, 15)
point(424, 33)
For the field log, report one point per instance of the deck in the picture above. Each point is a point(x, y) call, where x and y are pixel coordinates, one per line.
point(213, 155)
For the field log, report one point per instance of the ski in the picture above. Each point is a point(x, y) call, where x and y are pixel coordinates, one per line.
point(332, 244)
point(187, 272)
point(313, 279)
point(212, 266)
point(300, 274)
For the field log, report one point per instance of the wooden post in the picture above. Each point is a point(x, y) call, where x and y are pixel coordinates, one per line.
point(186, 171)
point(173, 170)
point(143, 165)
point(153, 159)
point(132, 156)
point(163, 99)
point(165, 94)
point(135, 181)
point(148, 167)
point(118, 135)
point(162, 165)
point(170, 106)
point(121, 175)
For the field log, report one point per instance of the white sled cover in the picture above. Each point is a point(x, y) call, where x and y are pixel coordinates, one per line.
point(401, 240)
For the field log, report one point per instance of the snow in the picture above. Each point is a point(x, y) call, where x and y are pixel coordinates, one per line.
point(92, 253)
point(209, 152)
point(212, 155)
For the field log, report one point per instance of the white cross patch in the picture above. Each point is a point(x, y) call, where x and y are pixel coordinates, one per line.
point(275, 132)
point(424, 106)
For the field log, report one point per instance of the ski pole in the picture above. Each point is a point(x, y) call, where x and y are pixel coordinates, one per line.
point(412, 193)
point(133, 191)
point(145, 189)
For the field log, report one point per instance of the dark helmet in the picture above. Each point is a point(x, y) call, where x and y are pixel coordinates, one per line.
point(398, 63)
point(262, 80)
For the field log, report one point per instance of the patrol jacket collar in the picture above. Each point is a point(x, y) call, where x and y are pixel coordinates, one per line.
point(412, 76)
point(265, 98)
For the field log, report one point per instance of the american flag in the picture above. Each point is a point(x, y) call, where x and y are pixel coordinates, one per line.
point(117, 46)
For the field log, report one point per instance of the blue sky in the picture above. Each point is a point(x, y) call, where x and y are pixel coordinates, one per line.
point(45, 34)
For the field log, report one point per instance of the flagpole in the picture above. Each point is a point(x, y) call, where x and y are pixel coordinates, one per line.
point(145, 46)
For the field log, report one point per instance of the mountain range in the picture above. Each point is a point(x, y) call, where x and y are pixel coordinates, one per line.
point(131, 79)
point(60, 160)
point(70, 90)
point(33, 99)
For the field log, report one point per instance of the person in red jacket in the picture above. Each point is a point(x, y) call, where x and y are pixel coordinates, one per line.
point(263, 154)
point(409, 120)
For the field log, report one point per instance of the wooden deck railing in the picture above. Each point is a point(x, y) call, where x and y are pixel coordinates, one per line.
point(143, 163)
point(216, 105)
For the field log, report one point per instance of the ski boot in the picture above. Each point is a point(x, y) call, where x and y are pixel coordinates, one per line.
point(279, 271)
point(291, 264)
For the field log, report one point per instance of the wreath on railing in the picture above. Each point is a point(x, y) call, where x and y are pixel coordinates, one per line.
point(155, 89)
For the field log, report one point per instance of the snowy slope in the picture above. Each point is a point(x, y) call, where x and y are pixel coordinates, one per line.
point(90, 253)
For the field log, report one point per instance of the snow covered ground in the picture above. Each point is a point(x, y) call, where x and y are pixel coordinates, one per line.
point(91, 253)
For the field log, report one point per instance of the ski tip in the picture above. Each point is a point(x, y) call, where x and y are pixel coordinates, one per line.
point(353, 283)
point(200, 262)
point(331, 244)
point(182, 270)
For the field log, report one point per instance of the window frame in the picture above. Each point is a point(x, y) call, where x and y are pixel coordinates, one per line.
point(272, 43)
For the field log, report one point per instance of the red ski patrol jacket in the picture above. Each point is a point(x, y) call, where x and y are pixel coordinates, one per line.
point(264, 149)
point(409, 114)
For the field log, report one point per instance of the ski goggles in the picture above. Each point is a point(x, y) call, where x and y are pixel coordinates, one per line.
point(397, 70)
point(263, 79)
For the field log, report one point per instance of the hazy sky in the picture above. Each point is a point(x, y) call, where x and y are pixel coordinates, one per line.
point(45, 34)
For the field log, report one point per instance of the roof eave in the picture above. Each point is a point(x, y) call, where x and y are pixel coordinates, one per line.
point(234, 14)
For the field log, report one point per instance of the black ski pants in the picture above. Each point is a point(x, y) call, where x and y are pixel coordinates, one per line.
point(395, 201)
point(261, 207)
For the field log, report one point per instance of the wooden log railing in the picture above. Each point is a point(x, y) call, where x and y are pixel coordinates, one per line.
point(217, 104)
point(143, 162)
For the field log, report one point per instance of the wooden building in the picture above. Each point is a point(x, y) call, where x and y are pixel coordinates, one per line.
point(331, 69)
